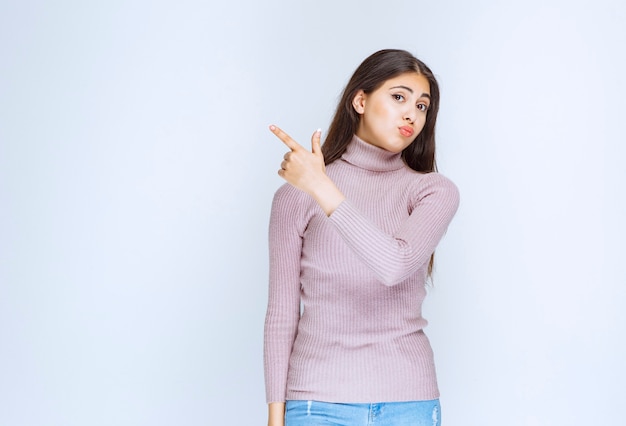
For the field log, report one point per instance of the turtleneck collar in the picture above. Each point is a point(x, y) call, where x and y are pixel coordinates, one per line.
point(370, 157)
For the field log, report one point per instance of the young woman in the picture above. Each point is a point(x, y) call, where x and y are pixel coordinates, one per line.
point(352, 235)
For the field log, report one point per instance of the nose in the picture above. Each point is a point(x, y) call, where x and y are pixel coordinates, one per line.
point(409, 115)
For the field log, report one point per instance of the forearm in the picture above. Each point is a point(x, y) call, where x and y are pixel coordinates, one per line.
point(394, 256)
point(327, 195)
point(276, 414)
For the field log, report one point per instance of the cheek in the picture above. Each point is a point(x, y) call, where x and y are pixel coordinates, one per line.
point(423, 120)
point(377, 117)
point(382, 110)
point(421, 125)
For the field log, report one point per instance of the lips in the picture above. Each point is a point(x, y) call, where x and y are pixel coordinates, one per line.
point(406, 131)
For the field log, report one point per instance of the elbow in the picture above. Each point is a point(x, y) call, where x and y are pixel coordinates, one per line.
point(392, 282)
point(393, 277)
point(399, 272)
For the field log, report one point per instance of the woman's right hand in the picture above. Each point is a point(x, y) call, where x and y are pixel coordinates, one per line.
point(276, 414)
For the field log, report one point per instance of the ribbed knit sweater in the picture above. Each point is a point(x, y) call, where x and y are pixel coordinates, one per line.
point(344, 319)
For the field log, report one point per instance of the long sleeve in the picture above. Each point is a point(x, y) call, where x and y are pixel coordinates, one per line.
point(344, 317)
point(395, 257)
point(283, 310)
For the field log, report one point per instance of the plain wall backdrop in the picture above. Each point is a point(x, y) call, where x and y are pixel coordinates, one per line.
point(137, 171)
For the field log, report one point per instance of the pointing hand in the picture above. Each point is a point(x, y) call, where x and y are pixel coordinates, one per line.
point(302, 168)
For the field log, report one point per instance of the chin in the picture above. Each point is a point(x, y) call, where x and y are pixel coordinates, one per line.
point(397, 147)
point(394, 149)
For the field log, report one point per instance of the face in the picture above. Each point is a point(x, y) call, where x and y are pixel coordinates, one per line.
point(394, 114)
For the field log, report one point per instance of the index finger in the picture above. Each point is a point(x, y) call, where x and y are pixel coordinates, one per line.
point(287, 140)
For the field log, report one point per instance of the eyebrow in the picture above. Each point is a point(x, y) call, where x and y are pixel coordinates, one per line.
point(423, 95)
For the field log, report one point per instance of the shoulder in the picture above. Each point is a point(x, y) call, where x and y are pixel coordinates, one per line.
point(287, 193)
point(438, 181)
point(290, 200)
point(434, 185)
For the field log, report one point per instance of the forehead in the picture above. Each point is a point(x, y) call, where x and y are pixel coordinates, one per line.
point(414, 81)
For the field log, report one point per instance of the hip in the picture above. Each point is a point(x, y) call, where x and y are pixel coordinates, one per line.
point(406, 413)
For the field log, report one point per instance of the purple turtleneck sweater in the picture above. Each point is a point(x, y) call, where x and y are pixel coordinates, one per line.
point(359, 277)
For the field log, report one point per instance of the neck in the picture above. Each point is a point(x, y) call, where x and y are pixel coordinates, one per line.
point(370, 157)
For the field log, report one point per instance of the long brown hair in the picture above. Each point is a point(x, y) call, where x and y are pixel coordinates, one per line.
point(369, 76)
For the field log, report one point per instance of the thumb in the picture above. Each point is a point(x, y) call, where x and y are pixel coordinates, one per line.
point(316, 144)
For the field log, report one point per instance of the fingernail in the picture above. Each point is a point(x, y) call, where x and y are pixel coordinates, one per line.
point(318, 131)
point(272, 127)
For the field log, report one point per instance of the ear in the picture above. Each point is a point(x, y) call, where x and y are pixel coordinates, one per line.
point(358, 103)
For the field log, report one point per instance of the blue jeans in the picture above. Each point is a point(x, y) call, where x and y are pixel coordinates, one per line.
point(314, 413)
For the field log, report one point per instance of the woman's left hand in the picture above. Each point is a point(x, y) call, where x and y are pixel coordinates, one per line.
point(306, 171)
point(302, 168)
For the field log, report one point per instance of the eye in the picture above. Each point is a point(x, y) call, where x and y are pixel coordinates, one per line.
point(398, 97)
point(422, 107)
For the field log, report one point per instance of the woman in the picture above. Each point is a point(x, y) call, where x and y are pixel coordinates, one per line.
point(352, 235)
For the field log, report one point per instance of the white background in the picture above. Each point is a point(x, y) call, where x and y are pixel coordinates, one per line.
point(136, 175)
